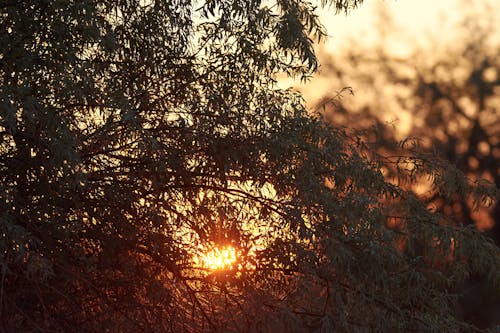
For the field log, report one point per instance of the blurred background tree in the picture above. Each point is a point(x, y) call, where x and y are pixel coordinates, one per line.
point(447, 96)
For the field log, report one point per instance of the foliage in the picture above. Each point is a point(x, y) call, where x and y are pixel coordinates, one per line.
point(137, 135)
point(448, 99)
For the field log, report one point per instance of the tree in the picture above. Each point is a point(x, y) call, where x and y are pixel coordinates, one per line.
point(137, 136)
point(453, 92)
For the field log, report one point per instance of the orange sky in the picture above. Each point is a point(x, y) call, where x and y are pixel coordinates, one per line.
point(413, 18)
point(418, 22)
point(427, 24)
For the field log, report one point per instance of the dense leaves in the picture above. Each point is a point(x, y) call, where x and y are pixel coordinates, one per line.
point(448, 99)
point(138, 135)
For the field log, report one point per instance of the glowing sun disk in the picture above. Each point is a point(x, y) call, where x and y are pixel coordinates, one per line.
point(219, 258)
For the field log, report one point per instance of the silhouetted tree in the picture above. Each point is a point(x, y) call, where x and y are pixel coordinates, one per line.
point(139, 135)
point(448, 101)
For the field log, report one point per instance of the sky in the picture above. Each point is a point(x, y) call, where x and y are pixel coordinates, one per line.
point(415, 20)
point(416, 24)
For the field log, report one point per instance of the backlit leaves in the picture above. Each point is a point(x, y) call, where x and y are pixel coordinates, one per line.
point(140, 135)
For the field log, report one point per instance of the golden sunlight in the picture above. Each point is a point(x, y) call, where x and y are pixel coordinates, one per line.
point(219, 258)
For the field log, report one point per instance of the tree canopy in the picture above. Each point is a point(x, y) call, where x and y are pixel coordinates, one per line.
point(137, 136)
point(452, 90)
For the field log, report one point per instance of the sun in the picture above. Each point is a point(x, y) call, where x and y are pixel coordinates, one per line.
point(219, 258)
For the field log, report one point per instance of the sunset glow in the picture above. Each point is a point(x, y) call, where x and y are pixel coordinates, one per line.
point(219, 258)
